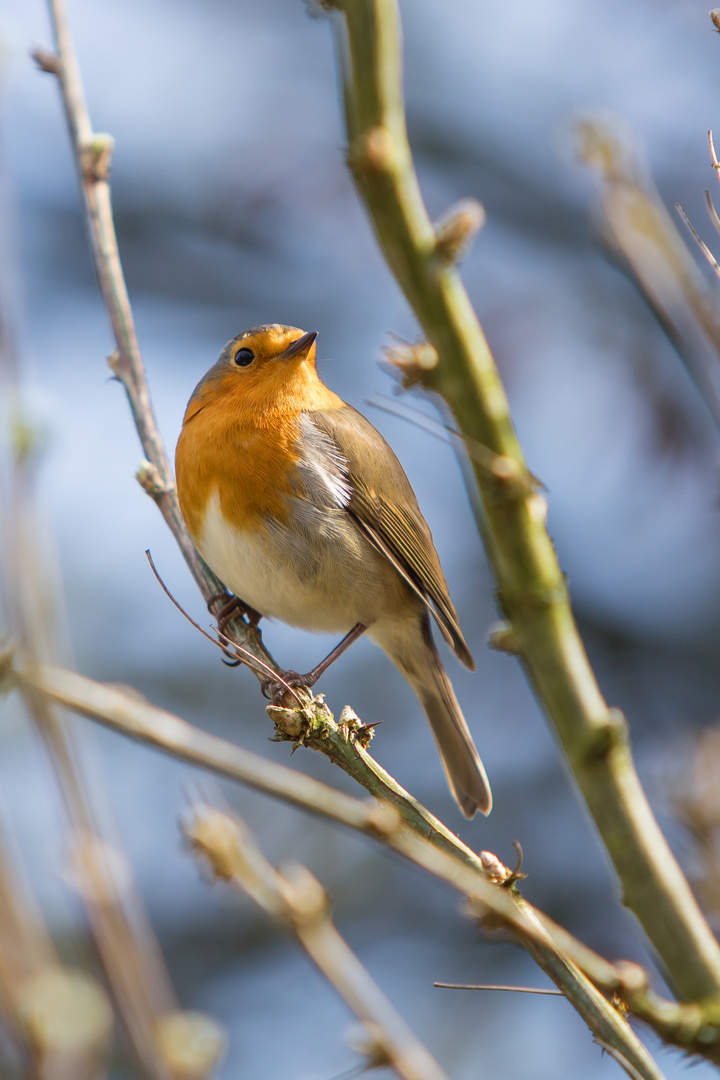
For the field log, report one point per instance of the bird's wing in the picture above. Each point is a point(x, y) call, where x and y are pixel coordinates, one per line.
point(384, 508)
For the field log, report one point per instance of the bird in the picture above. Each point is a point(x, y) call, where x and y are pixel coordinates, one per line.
point(301, 508)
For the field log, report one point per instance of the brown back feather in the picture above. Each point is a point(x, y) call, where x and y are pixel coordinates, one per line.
point(384, 507)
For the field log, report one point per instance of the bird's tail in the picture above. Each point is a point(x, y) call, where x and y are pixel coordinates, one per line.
point(464, 770)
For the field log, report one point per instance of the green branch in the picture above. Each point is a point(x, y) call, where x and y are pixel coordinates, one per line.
point(531, 588)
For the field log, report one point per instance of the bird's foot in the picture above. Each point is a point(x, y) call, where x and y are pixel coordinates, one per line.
point(275, 687)
point(231, 607)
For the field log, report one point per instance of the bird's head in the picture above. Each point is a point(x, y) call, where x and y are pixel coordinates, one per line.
point(265, 369)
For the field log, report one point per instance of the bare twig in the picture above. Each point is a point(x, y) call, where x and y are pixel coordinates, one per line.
point(93, 151)
point(225, 644)
point(532, 590)
point(495, 986)
point(298, 900)
point(639, 227)
point(696, 235)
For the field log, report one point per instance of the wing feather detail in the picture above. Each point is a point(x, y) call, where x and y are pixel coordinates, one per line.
point(392, 522)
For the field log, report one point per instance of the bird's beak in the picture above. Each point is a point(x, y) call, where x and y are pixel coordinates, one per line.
point(301, 347)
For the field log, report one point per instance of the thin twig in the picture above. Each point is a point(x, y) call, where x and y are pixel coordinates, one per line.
point(226, 643)
point(499, 467)
point(531, 588)
point(298, 900)
point(494, 986)
point(712, 211)
point(640, 228)
point(93, 151)
point(696, 235)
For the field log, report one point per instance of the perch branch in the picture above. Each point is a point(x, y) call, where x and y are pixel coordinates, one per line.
point(457, 365)
point(571, 965)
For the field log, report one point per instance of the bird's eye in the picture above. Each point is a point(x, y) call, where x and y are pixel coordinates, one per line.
point(243, 357)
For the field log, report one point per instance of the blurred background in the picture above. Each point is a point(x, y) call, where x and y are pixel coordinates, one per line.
point(234, 208)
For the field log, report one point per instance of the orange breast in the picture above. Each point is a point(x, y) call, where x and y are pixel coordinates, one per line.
point(240, 442)
point(248, 467)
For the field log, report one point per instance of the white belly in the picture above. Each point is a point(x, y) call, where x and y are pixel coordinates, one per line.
point(321, 574)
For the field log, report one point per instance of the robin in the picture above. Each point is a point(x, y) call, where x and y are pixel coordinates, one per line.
point(302, 509)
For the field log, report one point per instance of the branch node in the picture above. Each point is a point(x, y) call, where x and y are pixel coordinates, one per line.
point(304, 895)
point(504, 638)
point(456, 230)
point(508, 471)
point(46, 61)
point(633, 979)
point(301, 723)
point(537, 508)
point(413, 362)
point(378, 149)
point(190, 1044)
point(354, 729)
point(214, 835)
point(116, 365)
point(495, 869)
point(149, 479)
point(365, 1039)
point(610, 732)
point(95, 157)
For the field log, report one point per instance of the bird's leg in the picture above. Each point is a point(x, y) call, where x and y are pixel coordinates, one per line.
point(272, 688)
point(232, 608)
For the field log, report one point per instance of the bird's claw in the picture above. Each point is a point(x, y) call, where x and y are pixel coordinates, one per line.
point(275, 687)
point(231, 607)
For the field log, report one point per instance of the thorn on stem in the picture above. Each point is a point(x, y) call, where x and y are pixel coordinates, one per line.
point(456, 230)
point(412, 362)
point(46, 61)
point(504, 638)
point(516, 874)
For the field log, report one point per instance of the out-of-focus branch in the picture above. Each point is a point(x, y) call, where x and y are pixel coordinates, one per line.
point(572, 966)
point(93, 153)
point(61, 1019)
point(297, 899)
point(636, 225)
point(456, 363)
point(102, 877)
